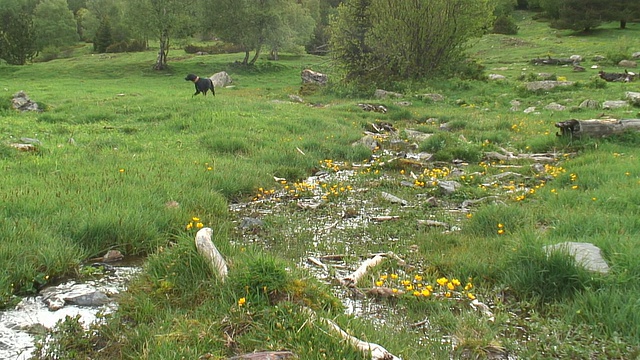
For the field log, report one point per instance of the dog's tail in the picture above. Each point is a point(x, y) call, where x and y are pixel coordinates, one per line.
point(213, 91)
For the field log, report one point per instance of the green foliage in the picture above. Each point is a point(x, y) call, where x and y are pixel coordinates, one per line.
point(103, 38)
point(578, 15)
point(376, 42)
point(446, 147)
point(278, 24)
point(505, 25)
point(54, 24)
point(17, 34)
point(536, 275)
point(67, 341)
point(127, 46)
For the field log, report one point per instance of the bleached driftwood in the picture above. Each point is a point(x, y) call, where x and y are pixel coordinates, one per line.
point(510, 156)
point(482, 307)
point(433, 223)
point(317, 262)
point(24, 147)
point(352, 280)
point(377, 352)
point(596, 128)
point(384, 292)
point(393, 198)
point(266, 355)
point(375, 259)
point(206, 248)
point(385, 218)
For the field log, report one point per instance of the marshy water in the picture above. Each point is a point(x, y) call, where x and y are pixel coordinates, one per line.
point(19, 327)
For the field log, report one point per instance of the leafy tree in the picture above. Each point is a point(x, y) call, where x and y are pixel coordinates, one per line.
point(578, 15)
point(124, 24)
point(103, 37)
point(294, 28)
point(75, 5)
point(379, 41)
point(87, 24)
point(504, 22)
point(319, 43)
point(625, 11)
point(252, 24)
point(55, 24)
point(17, 32)
point(350, 45)
point(162, 19)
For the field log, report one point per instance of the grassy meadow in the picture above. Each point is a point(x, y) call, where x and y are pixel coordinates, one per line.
point(126, 158)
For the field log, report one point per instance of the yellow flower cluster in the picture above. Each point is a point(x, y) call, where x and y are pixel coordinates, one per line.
point(194, 223)
point(263, 194)
point(429, 177)
point(329, 164)
point(334, 190)
point(419, 288)
point(554, 171)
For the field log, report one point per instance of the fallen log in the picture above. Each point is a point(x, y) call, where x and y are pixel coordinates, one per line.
point(596, 128)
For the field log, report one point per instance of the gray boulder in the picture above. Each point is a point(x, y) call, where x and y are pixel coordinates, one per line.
point(221, 79)
point(22, 102)
point(587, 255)
point(546, 85)
point(633, 97)
point(614, 104)
point(555, 106)
point(383, 94)
point(589, 104)
point(313, 77)
point(627, 63)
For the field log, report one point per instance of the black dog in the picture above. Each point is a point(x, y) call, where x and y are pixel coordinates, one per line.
point(202, 85)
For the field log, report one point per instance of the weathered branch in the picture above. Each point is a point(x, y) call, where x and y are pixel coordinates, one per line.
point(352, 280)
point(206, 248)
point(596, 128)
point(377, 352)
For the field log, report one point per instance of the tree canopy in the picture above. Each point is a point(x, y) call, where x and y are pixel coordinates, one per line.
point(378, 41)
point(55, 24)
point(254, 24)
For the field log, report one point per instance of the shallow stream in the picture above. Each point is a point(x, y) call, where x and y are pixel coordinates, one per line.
point(33, 315)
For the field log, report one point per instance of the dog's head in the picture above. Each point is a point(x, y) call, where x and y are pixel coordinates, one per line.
point(191, 77)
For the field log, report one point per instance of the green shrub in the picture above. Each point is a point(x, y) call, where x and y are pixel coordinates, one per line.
point(506, 25)
point(535, 275)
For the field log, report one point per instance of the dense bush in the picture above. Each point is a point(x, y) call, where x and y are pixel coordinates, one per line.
point(505, 25)
point(127, 46)
point(218, 48)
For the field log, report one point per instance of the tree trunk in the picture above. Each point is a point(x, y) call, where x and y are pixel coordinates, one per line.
point(161, 61)
point(245, 61)
point(255, 57)
point(623, 24)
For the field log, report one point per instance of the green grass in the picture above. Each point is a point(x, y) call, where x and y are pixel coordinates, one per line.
point(119, 142)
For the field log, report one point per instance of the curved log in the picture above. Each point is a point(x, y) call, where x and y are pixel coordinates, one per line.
point(206, 248)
